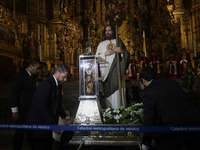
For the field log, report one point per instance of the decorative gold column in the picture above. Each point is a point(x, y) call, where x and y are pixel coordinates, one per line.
point(178, 14)
point(72, 63)
point(42, 37)
point(131, 18)
point(33, 7)
point(90, 4)
point(103, 12)
point(98, 13)
point(44, 40)
point(195, 24)
point(55, 45)
point(56, 8)
point(78, 7)
point(50, 44)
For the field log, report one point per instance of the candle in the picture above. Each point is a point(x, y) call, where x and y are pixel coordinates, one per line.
point(40, 52)
point(143, 34)
point(195, 53)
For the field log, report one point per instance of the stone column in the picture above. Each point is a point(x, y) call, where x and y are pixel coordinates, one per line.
point(98, 11)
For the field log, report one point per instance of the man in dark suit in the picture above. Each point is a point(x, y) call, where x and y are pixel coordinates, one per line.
point(132, 93)
point(166, 104)
point(46, 107)
point(21, 94)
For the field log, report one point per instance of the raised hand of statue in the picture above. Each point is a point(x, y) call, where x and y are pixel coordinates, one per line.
point(109, 52)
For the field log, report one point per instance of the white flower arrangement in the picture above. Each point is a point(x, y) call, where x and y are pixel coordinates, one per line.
point(129, 115)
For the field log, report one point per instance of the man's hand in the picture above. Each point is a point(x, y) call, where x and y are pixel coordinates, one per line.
point(109, 52)
point(69, 120)
point(118, 49)
point(144, 147)
point(15, 116)
point(142, 87)
point(57, 131)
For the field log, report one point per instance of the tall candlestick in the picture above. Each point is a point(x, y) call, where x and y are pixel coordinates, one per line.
point(143, 34)
point(195, 52)
point(40, 52)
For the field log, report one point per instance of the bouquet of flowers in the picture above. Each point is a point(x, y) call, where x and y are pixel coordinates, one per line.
point(129, 115)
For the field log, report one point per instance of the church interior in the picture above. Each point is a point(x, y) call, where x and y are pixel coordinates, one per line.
point(58, 31)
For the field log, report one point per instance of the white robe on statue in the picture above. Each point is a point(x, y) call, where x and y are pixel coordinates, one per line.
point(105, 63)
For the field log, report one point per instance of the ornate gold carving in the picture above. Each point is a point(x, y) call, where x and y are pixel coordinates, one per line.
point(17, 23)
point(33, 7)
point(68, 37)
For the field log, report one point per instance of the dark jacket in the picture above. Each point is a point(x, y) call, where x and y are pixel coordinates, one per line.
point(46, 106)
point(135, 93)
point(166, 104)
point(21, 93)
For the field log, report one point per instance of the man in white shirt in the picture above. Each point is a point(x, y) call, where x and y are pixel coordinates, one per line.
point(21, 94)
point(46, 107)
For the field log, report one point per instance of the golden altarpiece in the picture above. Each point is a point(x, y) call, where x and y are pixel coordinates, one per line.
point(56, 31)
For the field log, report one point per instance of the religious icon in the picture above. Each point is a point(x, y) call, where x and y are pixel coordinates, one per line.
point(110, 46)
point(90, 79)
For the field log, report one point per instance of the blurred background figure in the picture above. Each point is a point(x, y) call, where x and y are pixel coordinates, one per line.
point(38, 81)
point(154, 62)
point(132, 69)
point(143, 61)
point(183, 59)
point(172, 66)
point(21, 94)
point(52, 70)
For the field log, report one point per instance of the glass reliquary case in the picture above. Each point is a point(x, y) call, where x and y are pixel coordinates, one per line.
point(88, 76)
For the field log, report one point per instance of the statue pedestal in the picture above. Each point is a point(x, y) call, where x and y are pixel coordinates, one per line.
point(88, 112)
